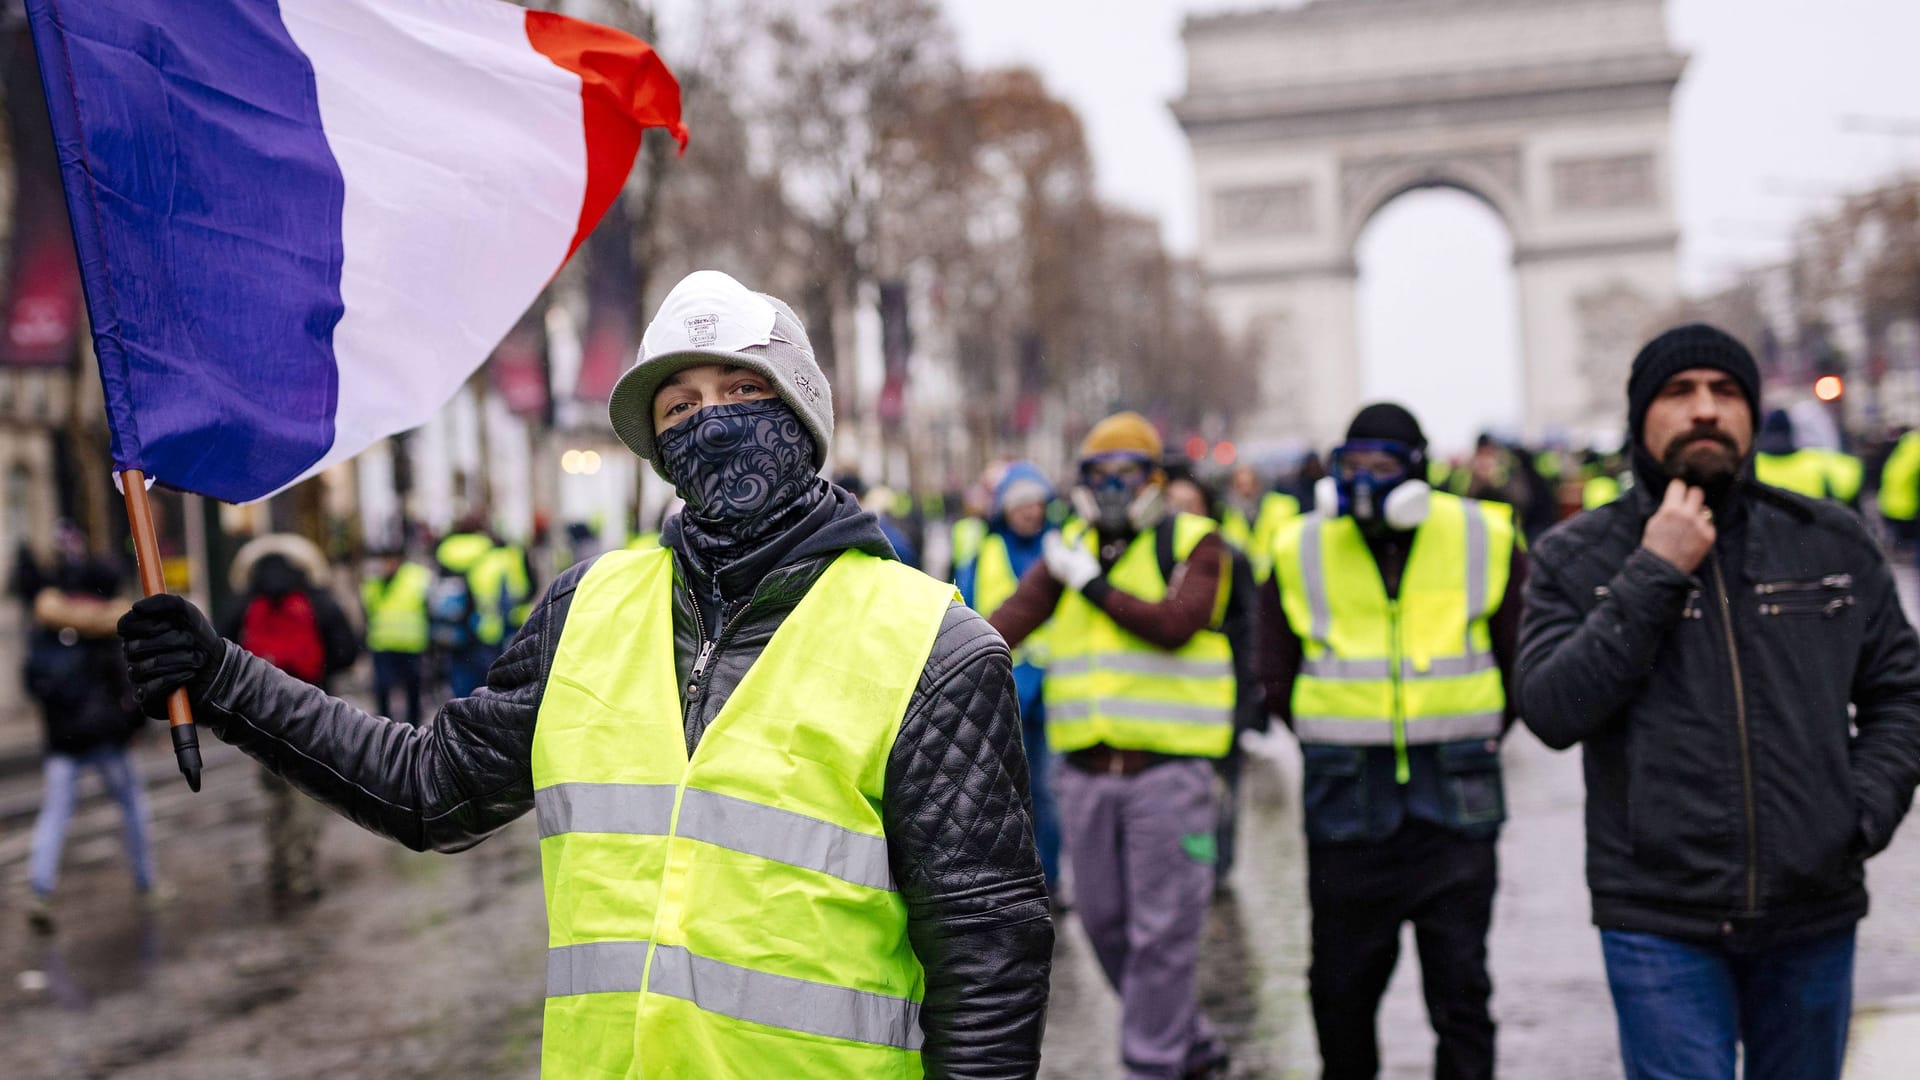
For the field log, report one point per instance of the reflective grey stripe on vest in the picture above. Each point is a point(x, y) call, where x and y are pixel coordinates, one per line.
point(1314, 577)
point(1136, 663)
point(1426, 729)
point(1334, 669)
point(721, 820)
point(596, 967)
point(1130, 709)
point(643, 809)
point(1477, 605)
point(785, 836)
point(783, 1002)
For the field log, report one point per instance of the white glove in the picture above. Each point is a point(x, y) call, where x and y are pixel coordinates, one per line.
point(1070, 565)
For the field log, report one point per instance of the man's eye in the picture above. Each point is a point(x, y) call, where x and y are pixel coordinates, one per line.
point(678, 407)
point(749, 388)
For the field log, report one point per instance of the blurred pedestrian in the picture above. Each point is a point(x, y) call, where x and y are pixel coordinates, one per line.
point(879, 502)
point(778, 777)
point(75, 675)
point(1736, 665)
point(1899, 487)
point(1139, 698)
point(1015, 541)
point(394, 599)
point(1814, 471)
point(1392, 618)
point(1252, 518)
point(463, 606)
point(289, 620)
point(1186, 494)
point(969, 528)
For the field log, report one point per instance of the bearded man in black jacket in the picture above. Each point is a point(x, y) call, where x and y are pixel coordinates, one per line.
point(815, 859)
point(1735, 662)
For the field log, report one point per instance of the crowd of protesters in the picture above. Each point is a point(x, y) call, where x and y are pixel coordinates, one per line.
point(872, 792)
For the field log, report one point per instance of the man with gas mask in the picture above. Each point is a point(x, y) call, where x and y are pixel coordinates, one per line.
point(1392, 616)
point(1140, 700)
point(778, 776)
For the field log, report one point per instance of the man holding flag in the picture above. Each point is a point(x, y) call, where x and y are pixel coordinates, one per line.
point(777, 776)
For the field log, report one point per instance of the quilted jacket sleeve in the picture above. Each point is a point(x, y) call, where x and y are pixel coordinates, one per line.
point(445, 786)
point(964, 858)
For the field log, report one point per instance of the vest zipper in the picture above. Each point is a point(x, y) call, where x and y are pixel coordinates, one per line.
point(1401, 772)
point(1746, 750)
point(708, 645)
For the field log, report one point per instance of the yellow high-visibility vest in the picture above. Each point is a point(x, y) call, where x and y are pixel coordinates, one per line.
point(1599, 491)
point(967, 535)
point(1803, 472)
point(993, 583)
point(397, 610)
point(1275, 511)
point(732, 914)
point(461, 552)
point(1845, 474)
point(1377, 671)
point(1107, 686)
point(1900, 480)
point(502, 595)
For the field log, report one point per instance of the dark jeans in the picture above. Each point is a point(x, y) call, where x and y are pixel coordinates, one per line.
point(1361, 893)
point(1683, 1006)
point(467, 669)
point(397, 671)
point(1046, 812)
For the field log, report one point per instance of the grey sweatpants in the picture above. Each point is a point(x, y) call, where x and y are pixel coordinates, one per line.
point(1142, 852)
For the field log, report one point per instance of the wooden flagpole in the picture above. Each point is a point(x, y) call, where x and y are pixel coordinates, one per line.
point(146, 550)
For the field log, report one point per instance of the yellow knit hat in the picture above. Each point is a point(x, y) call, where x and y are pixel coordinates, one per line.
point(1122, 433)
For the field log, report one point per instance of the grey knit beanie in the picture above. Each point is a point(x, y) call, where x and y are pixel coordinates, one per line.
point(709, 318)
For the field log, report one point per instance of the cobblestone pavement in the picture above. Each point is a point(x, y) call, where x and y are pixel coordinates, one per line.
point(431, 966)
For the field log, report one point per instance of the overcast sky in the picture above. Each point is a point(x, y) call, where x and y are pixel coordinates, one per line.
point(1761, 140)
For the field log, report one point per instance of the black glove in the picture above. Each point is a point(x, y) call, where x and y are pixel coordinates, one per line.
point(168, 645)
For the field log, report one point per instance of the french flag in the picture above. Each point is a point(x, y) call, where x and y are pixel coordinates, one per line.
point(302, 224)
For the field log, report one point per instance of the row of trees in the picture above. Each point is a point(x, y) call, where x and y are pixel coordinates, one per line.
point(840, 146)
point(1847, 303)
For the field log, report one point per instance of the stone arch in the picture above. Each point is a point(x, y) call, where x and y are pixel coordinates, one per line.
point(1305, 121)
point(1372, 191)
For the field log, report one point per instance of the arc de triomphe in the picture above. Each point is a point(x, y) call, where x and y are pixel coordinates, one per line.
point(1304, 122)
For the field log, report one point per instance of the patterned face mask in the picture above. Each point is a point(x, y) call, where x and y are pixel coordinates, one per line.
point(739, 466)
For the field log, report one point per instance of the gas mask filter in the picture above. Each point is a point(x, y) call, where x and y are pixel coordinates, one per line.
point(1376, 482)
point(1123, 501)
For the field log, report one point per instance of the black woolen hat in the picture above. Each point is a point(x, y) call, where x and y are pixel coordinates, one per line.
point(1385, 420)
point(1695, 345)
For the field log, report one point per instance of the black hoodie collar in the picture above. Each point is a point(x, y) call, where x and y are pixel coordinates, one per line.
point(834, 524)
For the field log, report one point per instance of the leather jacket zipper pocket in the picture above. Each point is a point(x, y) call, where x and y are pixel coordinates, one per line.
point(1823, 597)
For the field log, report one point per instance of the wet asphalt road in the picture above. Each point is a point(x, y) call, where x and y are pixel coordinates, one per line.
point(432, 966)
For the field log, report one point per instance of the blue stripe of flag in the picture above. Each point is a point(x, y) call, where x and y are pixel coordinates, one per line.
point(206, 207)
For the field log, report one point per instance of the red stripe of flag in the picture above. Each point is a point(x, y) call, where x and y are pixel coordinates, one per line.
point(625, 88)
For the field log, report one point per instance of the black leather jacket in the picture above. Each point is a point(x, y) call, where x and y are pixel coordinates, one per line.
point(956, 813)
point(1730, 797)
